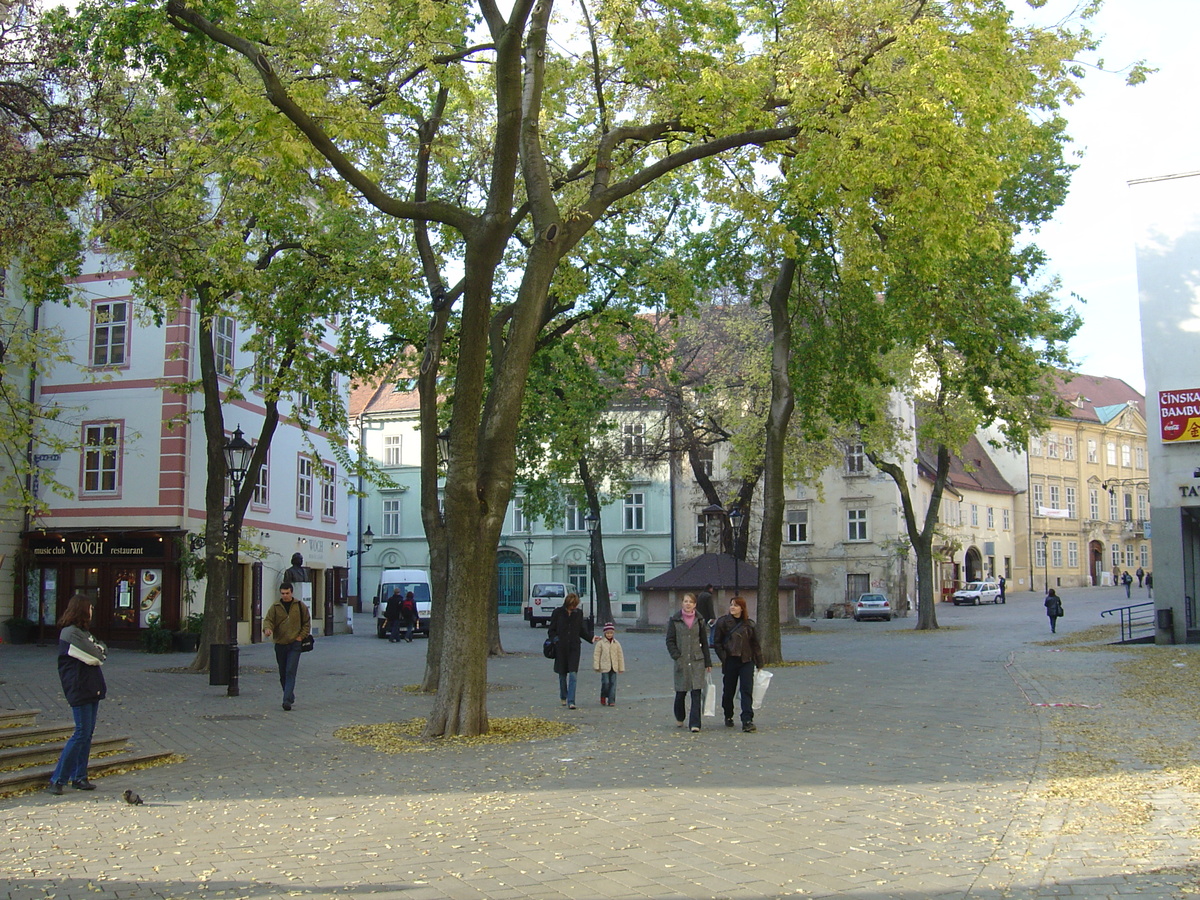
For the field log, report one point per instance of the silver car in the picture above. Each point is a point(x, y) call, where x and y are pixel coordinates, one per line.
point(976, 592)
point(872, 606)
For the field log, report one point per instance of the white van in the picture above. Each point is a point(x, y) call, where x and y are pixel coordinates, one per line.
point(544, 599)
point(415, 580)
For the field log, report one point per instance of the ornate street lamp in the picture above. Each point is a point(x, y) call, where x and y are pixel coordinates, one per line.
point(1046, 560)
point(237, 461)
point(592, 522)
point(366, 542)
point(735, 526)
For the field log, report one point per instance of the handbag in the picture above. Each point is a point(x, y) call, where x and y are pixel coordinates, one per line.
point(550, 648)
point(710, 695)
point(307, 643)
point(762, 681)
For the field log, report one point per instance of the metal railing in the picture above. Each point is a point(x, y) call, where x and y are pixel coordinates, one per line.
point(1137, 621)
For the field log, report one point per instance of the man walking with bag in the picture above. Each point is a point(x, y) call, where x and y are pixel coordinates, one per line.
point(287, 623)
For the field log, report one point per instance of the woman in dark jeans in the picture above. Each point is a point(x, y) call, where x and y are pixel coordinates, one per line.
point(79, 659)
point(735, 639)
point(567, 626)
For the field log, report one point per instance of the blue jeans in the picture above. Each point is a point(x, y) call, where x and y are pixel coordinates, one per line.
point(393, 629)
point(408, 629)
point(288, 658)
point(737, 672)
point(608, 686)
point(566, 688)
point(73, 763)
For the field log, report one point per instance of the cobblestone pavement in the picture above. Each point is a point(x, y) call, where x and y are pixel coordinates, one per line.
point(902, 765)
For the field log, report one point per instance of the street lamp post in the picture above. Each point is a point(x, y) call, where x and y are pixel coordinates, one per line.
point(735, 527)
point(592, 521)
point(365, 541)
point(237, 460)
point(1046, 560)
point(529, 562)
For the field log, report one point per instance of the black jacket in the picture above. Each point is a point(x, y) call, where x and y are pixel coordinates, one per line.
point(737, 637)
point(568, 628)
point(81, 683)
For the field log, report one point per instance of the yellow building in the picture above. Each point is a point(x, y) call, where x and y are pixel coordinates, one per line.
point(1089, 489)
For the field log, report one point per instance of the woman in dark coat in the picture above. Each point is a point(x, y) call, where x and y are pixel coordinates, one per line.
point(567, 626)
point(687, 642)
point(79, 659)
point(735, 638)
point(1054, 609)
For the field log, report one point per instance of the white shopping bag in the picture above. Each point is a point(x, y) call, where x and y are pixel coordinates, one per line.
point(710, 695)
point(762, 681)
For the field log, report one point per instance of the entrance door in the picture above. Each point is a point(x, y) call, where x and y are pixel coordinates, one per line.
point(510, 582)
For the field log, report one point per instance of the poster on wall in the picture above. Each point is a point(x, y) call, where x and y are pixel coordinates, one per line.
point(1179, 415)
point(151, 603)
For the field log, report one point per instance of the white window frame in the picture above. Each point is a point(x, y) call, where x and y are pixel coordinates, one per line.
point(392, 447)
point(521, 523)
point(1039, 554)
point(1005, 521)
point(110, 334)
point(1139, 457)
point(1071, 502)
point(635, 576)
point(1052, 446)
point(304, 486)
point(991, 518)
point(1094, 503)
point(1129, 555)
point(633, 435)
point(856, 526)
point(1114, 508)
point(391, 517)
point(1126, 456)
point(224, 332)
point(100, 458)
point(1056, 557)
point(856, 459)
point(633, 511)
point(1055, 497)
point(1115, 554)
point(261, 498)
point(795, 526)
point(1110, 452)
point(1068, 447)
point(1145, 555)
point(575, 517)
point(1072, 554)
point(328, 491)
point(1093, 454)
point(974, 515)
point(1039, 497)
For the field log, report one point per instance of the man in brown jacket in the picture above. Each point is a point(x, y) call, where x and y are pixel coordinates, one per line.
point(287, 623)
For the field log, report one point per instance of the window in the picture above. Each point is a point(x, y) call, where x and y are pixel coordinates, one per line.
point(1039, 553)
point(1055, 496)
point(634, 434)
point(391, 518)
point(101, 458)
point(328, 491)
point(264, 367)
point(1129, 507)
point(1035, 445)
point(1056, 554)
point(577, 579)
point(1116, 554)
point(391, 449)
point(1004, 519)
point(1144, 555)
point(575, 517)
point(262, 487)
point(1072, 554)
point(1126, 456)
point(1094, 504)
point(224, 340)
point(855, 460)
point(110, 333)
point(701, 528)
point(975, 515)
point(1142, 502)
point(1039, 499)
point(1071, 510)
point(991, 517)
point(1052, 446)
point(796, 530)
point(1008, 568)
point(304, 486)
point(634, 576)
point(1139, 456)
point(856, 524)
point(635, 512)
point(520, 521)
point(1068, 447)
point(704, 460)
point(1114, 512)
point(1092, 455)
point(1110, 453)
point(1129, 554)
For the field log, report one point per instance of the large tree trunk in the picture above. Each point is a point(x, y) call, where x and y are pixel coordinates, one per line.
point(778, 418)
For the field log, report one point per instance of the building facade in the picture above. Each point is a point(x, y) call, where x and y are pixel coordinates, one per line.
point(128, 530)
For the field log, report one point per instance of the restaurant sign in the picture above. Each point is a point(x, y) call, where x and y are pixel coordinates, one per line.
point(1179, 415)
point(98, 546)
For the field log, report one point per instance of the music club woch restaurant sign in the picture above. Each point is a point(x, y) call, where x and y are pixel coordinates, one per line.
point(1179, 415)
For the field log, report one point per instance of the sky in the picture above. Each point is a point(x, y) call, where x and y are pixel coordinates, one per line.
point(1125, 133)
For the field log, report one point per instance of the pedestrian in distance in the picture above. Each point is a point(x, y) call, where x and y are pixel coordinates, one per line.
point(391, 616)
point(1116, 577)
point(80, 657)
point(1054, 609)
point(567, 629)
point(1002, 583)
point(687, 642)
point(408, 615)
point(735, 639)
point(704, 605)
point(608, 658)
point(1127, 580)
point(1150, 585)
point(287, 623)
point(1141, 574)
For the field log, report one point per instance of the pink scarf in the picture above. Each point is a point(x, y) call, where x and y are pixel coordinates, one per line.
point(689, 618)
